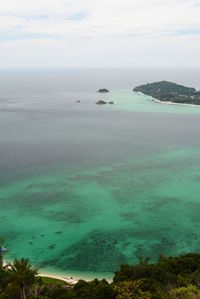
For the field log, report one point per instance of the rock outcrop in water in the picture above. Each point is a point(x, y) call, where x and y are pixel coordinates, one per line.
point(103, 90)
point(170, 92)
point(104, 103)
point(101, 102)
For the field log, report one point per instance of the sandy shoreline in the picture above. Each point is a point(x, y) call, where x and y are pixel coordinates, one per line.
point(172, 103)
point(167, 102)
point(69, 279)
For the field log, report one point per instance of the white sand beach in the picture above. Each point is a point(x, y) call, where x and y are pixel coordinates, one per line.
point(70, 280)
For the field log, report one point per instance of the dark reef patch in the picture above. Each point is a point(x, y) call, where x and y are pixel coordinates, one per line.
point(96, 252)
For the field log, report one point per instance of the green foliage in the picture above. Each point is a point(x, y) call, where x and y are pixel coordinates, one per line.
point(94, 289)
point(165, 87)
point(22, 272)
point(169, 277)
point(1, 253)
point(167, 273)
point(12, 291)
point(4, 278)
point(164, 271)
point(171, 92)
point(130, 290)
point(59, 292)
point(48, 281)
point(190, 291)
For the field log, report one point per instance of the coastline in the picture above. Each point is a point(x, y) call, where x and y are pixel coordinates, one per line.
point(173, 103)
point(167, 102)
point(70, 279)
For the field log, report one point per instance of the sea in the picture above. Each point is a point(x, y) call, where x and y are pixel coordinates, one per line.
point(86, 187)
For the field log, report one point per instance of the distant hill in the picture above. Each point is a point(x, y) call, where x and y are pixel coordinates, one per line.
point(170, 92)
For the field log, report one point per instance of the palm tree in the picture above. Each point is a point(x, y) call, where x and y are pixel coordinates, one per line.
point(23, 273)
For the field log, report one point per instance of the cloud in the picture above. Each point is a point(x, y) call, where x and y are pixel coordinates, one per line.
point(77, 16)
point(99, 32)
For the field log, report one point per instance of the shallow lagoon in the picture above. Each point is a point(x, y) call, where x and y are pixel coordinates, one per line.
point(84, 188)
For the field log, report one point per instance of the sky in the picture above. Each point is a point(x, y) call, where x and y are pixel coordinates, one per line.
point(99, 33)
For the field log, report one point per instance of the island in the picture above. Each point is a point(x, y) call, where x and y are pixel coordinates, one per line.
point(103, 90)
point(101, 102)
point(170, 92)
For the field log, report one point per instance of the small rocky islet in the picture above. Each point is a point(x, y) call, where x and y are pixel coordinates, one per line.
point(164, 91)
point(101, 102)
point(103, 90)
point(170, 92)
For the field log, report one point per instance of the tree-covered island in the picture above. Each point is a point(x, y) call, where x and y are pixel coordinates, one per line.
point(170, 92)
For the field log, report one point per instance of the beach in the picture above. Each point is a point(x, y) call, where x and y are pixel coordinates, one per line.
point(67, 278)
point(70, 280)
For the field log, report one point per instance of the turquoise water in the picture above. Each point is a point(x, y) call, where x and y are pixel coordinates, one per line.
point(84, 188)
point(106, 216)
point(133, 101)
